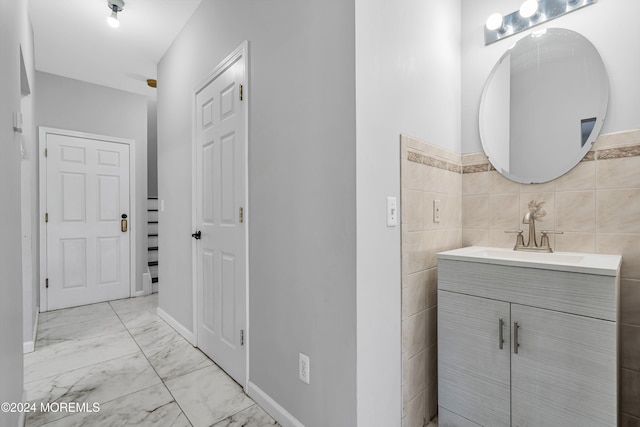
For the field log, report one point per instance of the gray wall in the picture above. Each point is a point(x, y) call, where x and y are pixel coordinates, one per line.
point(152, 148)
point(302, 240)
point(614, 34)
point(407, 81)
point(12, 19)
point(70, 104)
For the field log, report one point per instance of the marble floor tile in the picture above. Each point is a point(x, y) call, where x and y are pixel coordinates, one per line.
point(208, 396)
point(100, 383)
point(68, 316)
point(138, 319)
point(76, 331)
point(176, 358)
point(151, 407)
point(254, 416)
point(66, 356)
point(154, 335)
point(148, 303)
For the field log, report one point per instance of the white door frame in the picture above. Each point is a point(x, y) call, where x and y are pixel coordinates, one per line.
point(42, 165)
point(241, 51)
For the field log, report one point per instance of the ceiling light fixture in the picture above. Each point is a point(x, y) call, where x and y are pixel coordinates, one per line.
point(115, 6)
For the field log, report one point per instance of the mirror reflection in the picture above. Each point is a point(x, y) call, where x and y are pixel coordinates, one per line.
point(543, 105)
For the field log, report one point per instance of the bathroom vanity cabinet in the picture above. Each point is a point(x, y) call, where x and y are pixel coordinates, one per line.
point(525, 342)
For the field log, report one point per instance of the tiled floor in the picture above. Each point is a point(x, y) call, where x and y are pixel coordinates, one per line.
point(141, 372)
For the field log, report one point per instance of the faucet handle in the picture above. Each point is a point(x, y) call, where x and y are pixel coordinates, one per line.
point(544, 243)
point(519, 238)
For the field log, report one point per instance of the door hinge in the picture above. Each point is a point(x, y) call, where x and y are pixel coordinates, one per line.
point(46, 217)
point(46, 152)
point(241, 215)
point(46, 283)
point(241, 93)
point(241, 336)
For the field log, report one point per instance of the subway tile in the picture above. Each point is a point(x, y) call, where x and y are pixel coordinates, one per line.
point(475, 212)
point(415, 411)
point(500, 239)
point(432, 400)
point(414, 294)
point(475, 183)
point(618, 173)
point(429, 245)
point(581, 177)
point(575, 242)
point(630, 346)
point(417, 375)
point(627, 245)
point(501, 185)
point(475, 237)
point(544, 187)
point(618, 211)
point(432, 287)
point(629, 421)
point(448, 239)
point(412, 252)
point(405, 368)
point(630, 301)
point(630, 392)
point(576, 211)
point(504, 212)
point(414, 333)
point(412, 210)
point(617, 139)
point(431, 330)
point(412, 175)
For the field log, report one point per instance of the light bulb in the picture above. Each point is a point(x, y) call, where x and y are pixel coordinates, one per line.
point(529, 8)
point(494, 22)
point(113, 20)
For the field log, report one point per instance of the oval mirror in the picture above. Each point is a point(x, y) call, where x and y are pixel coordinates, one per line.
point(543, 105)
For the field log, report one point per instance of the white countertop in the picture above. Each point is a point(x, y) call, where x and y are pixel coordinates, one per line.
point(605, 265)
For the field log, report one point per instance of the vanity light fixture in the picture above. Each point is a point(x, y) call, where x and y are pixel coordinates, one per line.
point(530, 14)
point(115, 6)
point(529, 9)
point(495, 22)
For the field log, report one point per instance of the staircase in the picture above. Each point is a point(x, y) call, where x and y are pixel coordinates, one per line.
point(152, 240)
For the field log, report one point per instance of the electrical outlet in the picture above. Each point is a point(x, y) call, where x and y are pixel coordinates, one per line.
point(304, 368)
point(436, 211)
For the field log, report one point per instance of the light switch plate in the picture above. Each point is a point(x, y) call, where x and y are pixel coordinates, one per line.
point(436, 211)
point(392, 212)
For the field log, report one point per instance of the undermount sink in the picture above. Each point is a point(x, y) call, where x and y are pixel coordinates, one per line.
point(607, 265)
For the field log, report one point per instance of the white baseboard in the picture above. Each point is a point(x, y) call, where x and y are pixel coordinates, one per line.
point(277, 412)
point(187, 334)
point(30, 346)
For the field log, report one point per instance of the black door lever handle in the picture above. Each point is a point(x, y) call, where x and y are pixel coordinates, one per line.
point(197, 235)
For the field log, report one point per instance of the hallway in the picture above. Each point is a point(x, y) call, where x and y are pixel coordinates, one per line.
point(121, 355)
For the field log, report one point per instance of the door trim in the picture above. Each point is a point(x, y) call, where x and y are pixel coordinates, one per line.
point(241, 51)
point(42, 202)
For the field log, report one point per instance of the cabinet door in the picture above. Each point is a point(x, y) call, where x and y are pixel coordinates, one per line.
point(564, 373)
point(473, 372)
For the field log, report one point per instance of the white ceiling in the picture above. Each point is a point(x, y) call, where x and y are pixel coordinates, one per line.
point(72, 39)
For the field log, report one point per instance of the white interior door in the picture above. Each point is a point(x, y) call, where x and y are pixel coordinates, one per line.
point(220, 196)
point(87, 197)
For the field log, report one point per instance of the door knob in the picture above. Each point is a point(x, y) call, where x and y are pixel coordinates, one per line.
point(197, 235)
point(123, 223)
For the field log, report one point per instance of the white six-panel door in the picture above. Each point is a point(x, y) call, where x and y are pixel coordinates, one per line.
point(219, 197)
point(87, 193)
